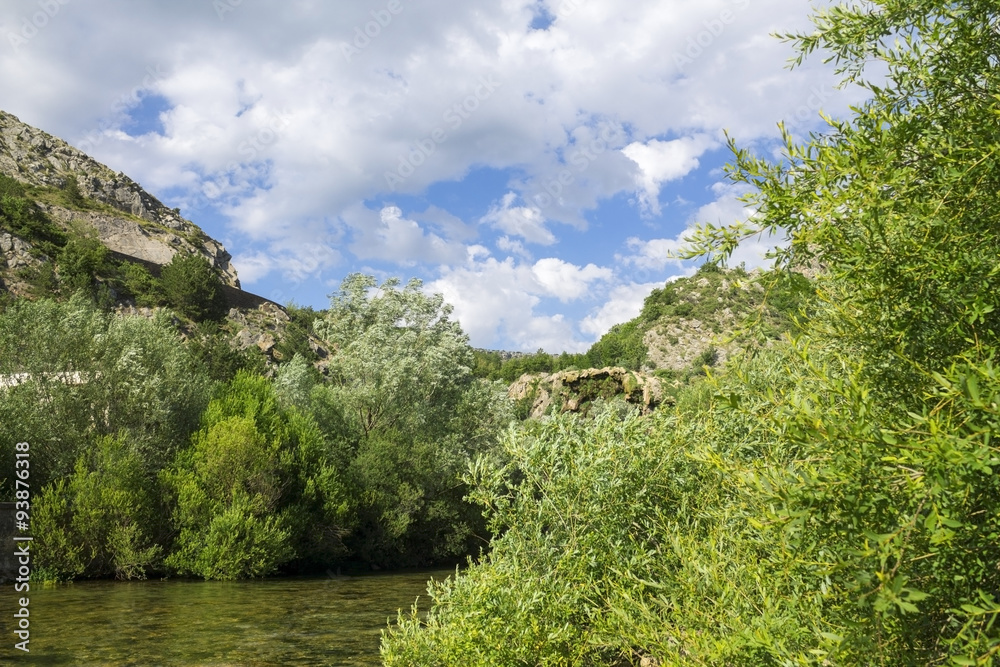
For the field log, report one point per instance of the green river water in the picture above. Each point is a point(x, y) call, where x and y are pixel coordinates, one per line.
point(295, 621)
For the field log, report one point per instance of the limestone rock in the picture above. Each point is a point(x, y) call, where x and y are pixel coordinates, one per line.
point(144, 228)
point(573, 391)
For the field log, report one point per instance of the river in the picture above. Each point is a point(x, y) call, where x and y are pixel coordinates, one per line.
point(293, 621)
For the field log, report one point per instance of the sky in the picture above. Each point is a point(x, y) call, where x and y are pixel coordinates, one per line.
point(536, 162)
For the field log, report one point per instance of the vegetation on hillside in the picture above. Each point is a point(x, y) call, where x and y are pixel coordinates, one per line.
point(739, 310)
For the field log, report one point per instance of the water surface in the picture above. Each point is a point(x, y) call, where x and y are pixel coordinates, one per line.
point(297, 621)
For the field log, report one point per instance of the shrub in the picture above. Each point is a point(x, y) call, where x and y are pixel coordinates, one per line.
point(137, 282)
point(253, 487)
point(103, 520)
point(192, 288)
point(80, 262)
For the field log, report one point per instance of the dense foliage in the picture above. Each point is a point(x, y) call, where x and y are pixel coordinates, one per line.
point(156, 454)
point(191, 286)
point(832, 501)
point(401, 401)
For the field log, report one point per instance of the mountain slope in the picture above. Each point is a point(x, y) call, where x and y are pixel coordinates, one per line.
point(71, 188)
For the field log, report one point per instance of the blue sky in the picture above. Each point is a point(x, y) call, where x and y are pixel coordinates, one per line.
point(534, 161)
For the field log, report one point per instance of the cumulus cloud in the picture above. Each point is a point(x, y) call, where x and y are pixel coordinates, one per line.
point(496, 300)
point(524, 221)
point(566, 281)
point(623, 304)
point(662, 161)
point(281, 144)
point(387, 235)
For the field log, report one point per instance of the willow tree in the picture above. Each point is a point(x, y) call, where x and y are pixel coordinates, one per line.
point(842, 509)
point(410, 415)
point(893, 505)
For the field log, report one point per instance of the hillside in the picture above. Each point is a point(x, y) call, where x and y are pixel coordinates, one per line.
point(71, 188)
point(689, 323)
point(69, 223)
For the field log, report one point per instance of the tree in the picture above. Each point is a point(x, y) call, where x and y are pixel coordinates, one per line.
point(401, 398)
point(832, 500)
point(72, 194)
point(87, 375)
point(191, 287)
point(256, 489)
point(80, 262)
point(892, 510)
point(398, 361)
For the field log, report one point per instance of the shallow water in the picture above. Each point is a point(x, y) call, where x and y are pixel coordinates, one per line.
point(296, 621)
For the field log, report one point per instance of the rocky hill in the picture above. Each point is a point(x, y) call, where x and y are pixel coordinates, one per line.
point(704, 319)
point(126, 218)
point(60, 209)
point(687, 325)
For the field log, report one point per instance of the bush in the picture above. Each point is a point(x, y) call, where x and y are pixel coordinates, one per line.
point(621, 346)
point(80, 262)
point(253, 488)
point(191, 287)
point(835, 500)
point(103, 520)
point(71, 193)
point(24, 219)
point(136, 281)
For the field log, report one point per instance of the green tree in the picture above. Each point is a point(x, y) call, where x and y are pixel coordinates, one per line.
point(71, 193)
point(400, 362)
point(621, 346)
point(256, 489)
point(80, 262)
point(191, 287)
point(83, 375)
point(23, 218)
point(136, 281)
point(401, 398)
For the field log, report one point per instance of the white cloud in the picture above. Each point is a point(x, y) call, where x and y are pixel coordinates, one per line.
point(497, 300)
point(623, 304)
point(524, 221)
point(507, 244)
point(564, 280)
point(386, 235)
point(662, 161)
point(651, 255)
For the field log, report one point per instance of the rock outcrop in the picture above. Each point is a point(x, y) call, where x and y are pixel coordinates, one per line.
point(132, 222)
point(574, 391)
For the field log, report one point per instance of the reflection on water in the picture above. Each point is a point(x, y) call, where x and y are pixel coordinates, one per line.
point(328, 621)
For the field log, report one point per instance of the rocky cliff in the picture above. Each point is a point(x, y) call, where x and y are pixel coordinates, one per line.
point(128, 219)
point(574, 391)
